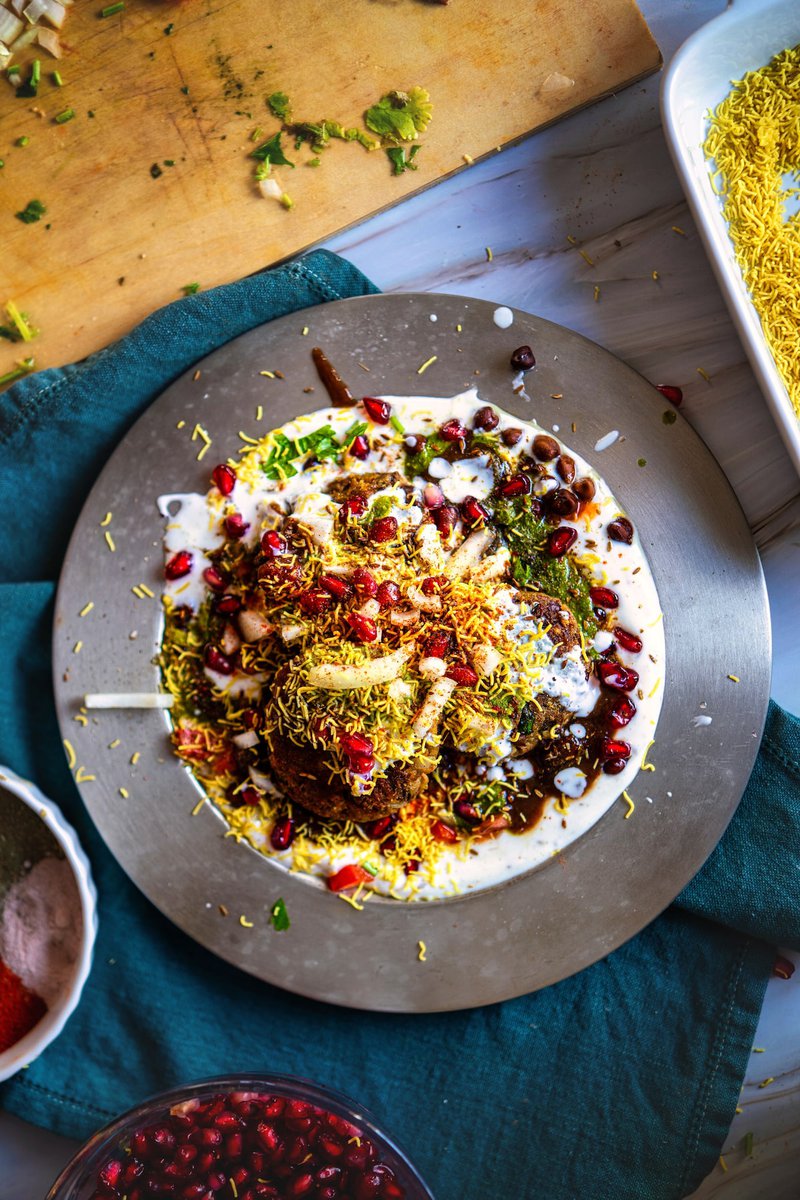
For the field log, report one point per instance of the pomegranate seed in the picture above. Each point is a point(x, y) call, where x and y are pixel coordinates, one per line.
point(622, 713)
point(359, 447)
point(392, 1191)
point(250, 796)
point(282, 834)
point(618, 678)
point(179, 565)
point(358, 1156)
point(614, 766)
point(614, 749)
point(234, 1145)
point(486, 418)
point(365, 583)
point(444, 519)
point(215, 579)
point(433, 584)
point(377, 410)
point(462, 674)
point(227, 605)
point(603, 597)
point(227, 1121)
point(250, 718)
point(672, 393)
point(215, 660)
point(432, 496)
point(314, 602)
point(224, 477)
point(782, 968)
point(443, 833)
point(273, 544)
point(111, 1173)
point(329, 1174)
point(560, 540)
point(267, 1136)
point(194, 1191)
point(353, 744)
point(364, 628)
point(335, 586)
point(467, 812)
point(331, 1147)
point(383, 530)
point(301, 1185)
point(355, 506)
point(388, 594)
point(378, 829)
point(519, 485)
point(522, 359)
point(236, 526)
point(628, 641)
point(472, 511)
point(437, 645)
point(621, 530)
point(368, 1187)
point(362, 764)
point(453, 431)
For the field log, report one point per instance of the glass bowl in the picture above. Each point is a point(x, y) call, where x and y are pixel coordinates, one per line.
point(251, 1137)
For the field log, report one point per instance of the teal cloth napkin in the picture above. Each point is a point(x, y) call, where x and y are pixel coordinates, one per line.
point(618, 1083)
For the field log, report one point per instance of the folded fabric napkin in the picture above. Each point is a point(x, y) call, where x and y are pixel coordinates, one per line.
point(618, 1083)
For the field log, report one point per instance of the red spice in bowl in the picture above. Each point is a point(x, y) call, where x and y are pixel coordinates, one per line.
point(20, 1008)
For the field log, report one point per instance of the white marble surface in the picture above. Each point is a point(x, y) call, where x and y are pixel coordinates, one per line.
point(604, 177)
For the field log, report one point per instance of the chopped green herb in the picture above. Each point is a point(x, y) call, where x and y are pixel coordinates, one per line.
point(279, 917)
point(370, 868)
point(747, 1143)
point(287, 201)
point(669, 417)
point(113, 8)
point(22, 141)
point(397, 157)
point(31, 88)
point(313, 162)
point(66, 115)
point(271, 154)
point(189, 289)
point(396, 424)
point(33, 211)
point(57, 80)
point(156, 171)
point(354, 431)
point(319, 134)
point(400, 116)
point(2, 163)
point(169, 162)
point(278, 104)
point(417, 464)
point(24, 367)
point(169, 28)
point(21, 322)
point(279, 462)
point(185, 90)
point(90, 113)
point(641, 462)
point(378, 509)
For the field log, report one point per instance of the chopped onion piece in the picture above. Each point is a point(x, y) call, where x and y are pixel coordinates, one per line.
point(270, 188)
point(434, 705)
point(245, 740)
point(417, 597)
point(18, 6)
point(52, 11)
point(468, 554)
point(10, 26)
point(48, 39)
point(25, 39)
point(128, 700)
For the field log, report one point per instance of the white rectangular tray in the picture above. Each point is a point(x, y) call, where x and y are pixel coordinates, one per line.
point(745, 37)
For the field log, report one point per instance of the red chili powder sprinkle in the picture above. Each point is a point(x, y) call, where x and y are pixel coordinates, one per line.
point(20, 1008)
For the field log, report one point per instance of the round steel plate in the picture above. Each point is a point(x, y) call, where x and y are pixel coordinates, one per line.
point(537, 928)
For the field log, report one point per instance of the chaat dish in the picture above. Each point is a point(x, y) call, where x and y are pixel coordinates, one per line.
point(414, 645)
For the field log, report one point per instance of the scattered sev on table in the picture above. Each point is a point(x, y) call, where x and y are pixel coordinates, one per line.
point(754, 141)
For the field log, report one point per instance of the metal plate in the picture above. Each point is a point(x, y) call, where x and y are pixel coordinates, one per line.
point(537, 928)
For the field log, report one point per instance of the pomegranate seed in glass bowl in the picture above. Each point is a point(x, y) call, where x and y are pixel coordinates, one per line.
point(240, 1128)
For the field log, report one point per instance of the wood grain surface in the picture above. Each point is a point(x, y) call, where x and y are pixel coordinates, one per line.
point(117, 243)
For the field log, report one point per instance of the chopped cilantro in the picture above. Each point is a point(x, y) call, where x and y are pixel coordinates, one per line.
point(21, 328)
point(189, 289)
point(378, 509)
point(34, 210)
point(397, 157)
point(23, 368)
point(156, 171)
point(279, 917)
point(168, 29)
point(400, 116)
point(271, 154)
point(417, 464)
point(284, 453)
point(278, 104)
point(185, 90)
point(353, 431)
point(669, 417)
point(313, 162)
point(319, 134)
point(22, 141)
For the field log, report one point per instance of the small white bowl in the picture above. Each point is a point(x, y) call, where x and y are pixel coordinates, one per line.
point(743, 38)
point(30, 1047)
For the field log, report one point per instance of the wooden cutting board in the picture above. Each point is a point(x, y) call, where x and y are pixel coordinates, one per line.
point(117, 243)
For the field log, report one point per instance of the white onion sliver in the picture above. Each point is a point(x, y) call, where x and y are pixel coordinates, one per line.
point(49, 41)
point(270, 188)
point(10, 26)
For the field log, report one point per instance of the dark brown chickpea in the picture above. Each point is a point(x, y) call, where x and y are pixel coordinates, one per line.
point(563, 503)
point(584, 489)
point(566, 467)
point(545, 448)
point(511, 436)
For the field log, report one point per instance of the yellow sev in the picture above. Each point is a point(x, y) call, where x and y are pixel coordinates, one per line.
point(754, 140)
